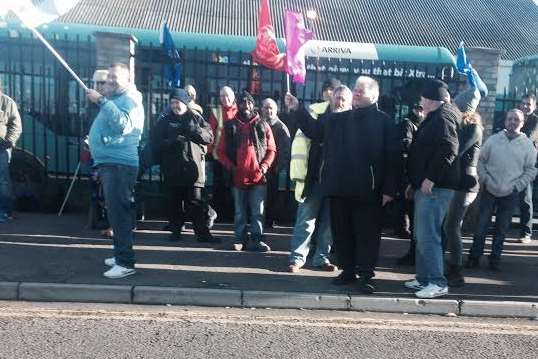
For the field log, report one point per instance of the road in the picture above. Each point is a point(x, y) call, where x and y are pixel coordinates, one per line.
point(73, 330)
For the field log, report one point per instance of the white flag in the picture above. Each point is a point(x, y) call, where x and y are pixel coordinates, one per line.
point(37, 12)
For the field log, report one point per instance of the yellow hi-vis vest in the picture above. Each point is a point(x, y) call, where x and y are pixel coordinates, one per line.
point(299, 152)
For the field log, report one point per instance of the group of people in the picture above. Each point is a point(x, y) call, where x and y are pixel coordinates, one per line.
point(348, 160)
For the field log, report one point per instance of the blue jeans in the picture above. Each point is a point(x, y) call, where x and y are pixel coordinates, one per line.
point(525, 211)
point(252, 198)
point(6, 195)
point(118, 187)
point(312, 214)
point(505, 209)
point(430, 210)
point(452, 225)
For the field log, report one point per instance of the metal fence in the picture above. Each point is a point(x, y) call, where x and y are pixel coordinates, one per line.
point(57, 117)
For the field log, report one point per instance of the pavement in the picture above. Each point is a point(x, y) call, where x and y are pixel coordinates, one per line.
point(44, 257)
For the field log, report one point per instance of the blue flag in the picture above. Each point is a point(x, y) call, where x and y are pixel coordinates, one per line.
point(464, 67)
point(172, 58)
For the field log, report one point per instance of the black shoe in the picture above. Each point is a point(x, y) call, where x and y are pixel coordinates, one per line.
point(472, 262)
point(454, 276)
point(174, 237)
point(366, 285)
point(345, 279)
point(209, 239)
point(407, 260)
point(494, 264)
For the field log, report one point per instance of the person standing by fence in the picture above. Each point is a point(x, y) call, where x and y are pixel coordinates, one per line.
point(10, 131)
point(114, 138)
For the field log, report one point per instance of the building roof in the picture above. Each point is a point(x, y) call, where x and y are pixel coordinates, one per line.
point(511, 25)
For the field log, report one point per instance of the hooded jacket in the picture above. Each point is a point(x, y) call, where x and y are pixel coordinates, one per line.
point(116, 131)
point(179, 144)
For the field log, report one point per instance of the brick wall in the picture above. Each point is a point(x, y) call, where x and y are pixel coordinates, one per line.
point(486, 62)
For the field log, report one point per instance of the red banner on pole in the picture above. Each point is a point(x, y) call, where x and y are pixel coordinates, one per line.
point(266, 52)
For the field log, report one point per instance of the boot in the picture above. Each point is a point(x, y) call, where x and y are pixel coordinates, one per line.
point(454, 276)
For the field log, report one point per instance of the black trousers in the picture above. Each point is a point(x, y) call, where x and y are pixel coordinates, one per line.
point(356, 229)
point(183, 200)
point(272, 205)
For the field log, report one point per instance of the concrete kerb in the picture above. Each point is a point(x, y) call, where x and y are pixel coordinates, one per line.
point(405, 305)
point(9, 290)
point(259, 299)
point(75, 292)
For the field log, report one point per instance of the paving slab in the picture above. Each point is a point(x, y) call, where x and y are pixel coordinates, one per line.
point(187, 296)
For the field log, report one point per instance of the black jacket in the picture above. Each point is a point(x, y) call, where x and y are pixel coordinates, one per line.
point(282, 138)
point(530, 128)
point(434, 151)
point(361, 153)
point(178, 144)
point(470, 140)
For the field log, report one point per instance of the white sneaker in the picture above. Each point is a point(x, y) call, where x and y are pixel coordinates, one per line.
point(119, 272)
point(525, 240)
point(111, 262)
point(413, 284)
point(432, 291)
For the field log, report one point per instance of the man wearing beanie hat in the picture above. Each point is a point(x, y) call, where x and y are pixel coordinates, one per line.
point(434, 174)
point(178, 142)
point(246, 150)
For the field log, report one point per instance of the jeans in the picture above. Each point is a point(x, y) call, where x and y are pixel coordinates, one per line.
point(526, 211)
point(452, 225)
point(312, 215)
point(6, 195)
point(253, 199)
point(505, 208)
point(118, 187)
point(356, 228)
point(430, 210)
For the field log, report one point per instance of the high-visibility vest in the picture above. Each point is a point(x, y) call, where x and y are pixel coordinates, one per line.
point(300, 147)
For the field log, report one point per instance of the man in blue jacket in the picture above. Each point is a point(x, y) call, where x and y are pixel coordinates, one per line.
point(114, 138)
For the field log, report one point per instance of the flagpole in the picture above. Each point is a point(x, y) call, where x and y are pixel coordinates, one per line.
point(58, 56)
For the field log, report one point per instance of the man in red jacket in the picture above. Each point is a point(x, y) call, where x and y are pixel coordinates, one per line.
point(247, 150)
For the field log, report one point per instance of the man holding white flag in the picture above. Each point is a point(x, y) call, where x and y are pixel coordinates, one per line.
point(114, 138)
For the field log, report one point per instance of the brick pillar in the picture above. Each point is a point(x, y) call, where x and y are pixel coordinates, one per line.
point(486, 63)
point(112, 47)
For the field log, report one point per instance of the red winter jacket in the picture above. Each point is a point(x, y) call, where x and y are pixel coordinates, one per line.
point(238, 141)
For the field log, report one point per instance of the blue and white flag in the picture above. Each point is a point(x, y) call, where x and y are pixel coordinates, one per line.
point(464, 67)
point(37, 12)
point(172, 60)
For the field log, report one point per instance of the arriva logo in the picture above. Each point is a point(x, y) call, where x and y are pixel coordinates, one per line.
point(334, 50)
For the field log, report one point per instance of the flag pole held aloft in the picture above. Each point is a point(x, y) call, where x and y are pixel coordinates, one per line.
point(34, 14)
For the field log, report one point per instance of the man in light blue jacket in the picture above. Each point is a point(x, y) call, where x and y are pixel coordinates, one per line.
point(114, 138)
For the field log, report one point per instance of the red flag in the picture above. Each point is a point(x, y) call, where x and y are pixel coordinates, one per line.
point(266, 52)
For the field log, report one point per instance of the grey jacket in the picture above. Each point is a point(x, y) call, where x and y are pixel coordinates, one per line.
point(10, 122)
point(506, 165)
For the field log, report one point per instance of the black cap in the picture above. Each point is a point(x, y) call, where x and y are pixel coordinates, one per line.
point(330, 83)
point(181, 95)
point(435, 90)
point(246, 96)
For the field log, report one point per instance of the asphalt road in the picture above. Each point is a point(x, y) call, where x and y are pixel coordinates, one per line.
point(72, 330)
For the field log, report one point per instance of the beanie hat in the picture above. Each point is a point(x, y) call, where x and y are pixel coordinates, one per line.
point(181, 95)
point(435, 90)
point(246, 96)
point(468, 100)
